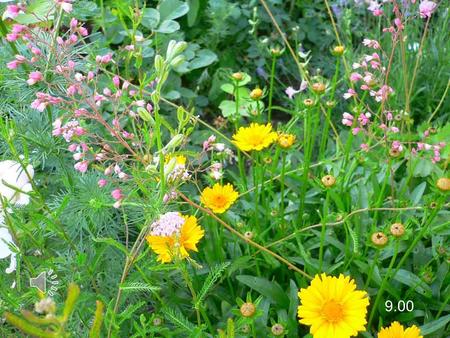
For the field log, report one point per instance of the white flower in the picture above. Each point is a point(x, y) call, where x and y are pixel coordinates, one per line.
point(12, 175)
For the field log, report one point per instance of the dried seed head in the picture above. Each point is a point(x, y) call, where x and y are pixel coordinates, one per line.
point(379, 239)
point(157, 321)
point(248, 234)
point(443, 184)
point(256, 94)
point(277, 330)
point(394, 152)
point(330, 104)
point(308, 102)
point(267, 160)
point(328, 180)
point(397, 229)
point(248, 309)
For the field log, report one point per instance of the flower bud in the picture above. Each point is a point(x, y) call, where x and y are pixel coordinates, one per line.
point(328, 181)
point(443, 184)
point(177, 61)
point(256, 94)
point(285, 141)
point(277, 330)
point(397, 229)
point(237, 76)
point(338, 50)
point(248, 309)
point(379, 239)
point(318, 87)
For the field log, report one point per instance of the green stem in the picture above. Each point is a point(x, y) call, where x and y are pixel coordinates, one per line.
point(272, 78)
point(323, 230)
point(383, 284)
point(283, 170)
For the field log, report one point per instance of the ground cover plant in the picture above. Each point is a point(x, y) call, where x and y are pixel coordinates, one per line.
point(210, 168)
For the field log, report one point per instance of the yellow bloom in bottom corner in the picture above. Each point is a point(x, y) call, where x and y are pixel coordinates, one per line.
point(219, 198)
point(333, 307)
point(255, 137)
point(396, 330)
point(174, 235)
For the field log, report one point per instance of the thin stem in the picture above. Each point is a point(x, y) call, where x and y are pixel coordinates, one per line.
point(245, 239)
point(272, 77)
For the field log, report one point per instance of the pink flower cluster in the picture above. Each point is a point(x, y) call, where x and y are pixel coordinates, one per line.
point(69, 130)
point(43, 100)
point(363, 120)
point(167, 225)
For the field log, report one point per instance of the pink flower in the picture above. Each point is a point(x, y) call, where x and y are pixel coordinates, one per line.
point(102, 182)
point(350, 93)
point(356, 130)
point(34, 77)
point(371, 43)
point(117, 194)
point(347, 119)
point(82, 166)
point(207, 145)
point(426, 8)
point(13, 64)
point(12, 11)
point(116, 81)
point(73, 23)
point(364, 147)
point(73, 147)
point(291, 92)
point(103, 58)
point(354, 77)
point(364, 118)
point(65, 5)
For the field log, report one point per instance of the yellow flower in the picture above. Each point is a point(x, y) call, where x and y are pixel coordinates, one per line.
point(397, 331)
point(179, 243)
point(219, 198)
point(255, 137)
point(333, 307)
point(179, 159)
point(286, 140)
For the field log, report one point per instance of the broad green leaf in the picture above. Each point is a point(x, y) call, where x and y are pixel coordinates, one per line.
point(269, 289)
point(172, 9)
point(413, 281)
point(150, 18)
point(168, 26)
point(417, 193)
point(435, 325)
point(194, 7)
point(204, 58)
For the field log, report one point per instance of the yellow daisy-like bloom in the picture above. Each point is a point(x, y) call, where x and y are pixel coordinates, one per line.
point(179, 159)
point(255, 137)
point(396, 330)
point(219, 198)
point(333, 307)
point(286, 140)
point(179, 243)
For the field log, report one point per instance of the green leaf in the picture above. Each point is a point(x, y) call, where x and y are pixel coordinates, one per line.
point(150, 18)
point(204, 58)
point(413, 281)
point(194, 8)
point(37, 11)
point(269, 289)
point(435, 325)
point(172, 9)
point(417, 193)
point(168, 26)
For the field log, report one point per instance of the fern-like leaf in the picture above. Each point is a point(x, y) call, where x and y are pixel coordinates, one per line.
point(212, 278)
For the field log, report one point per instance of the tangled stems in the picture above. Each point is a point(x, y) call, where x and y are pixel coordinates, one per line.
point(247, 240)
